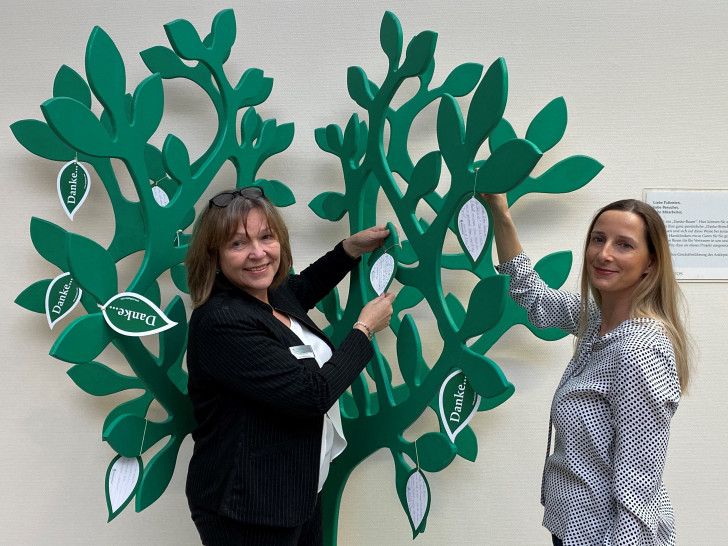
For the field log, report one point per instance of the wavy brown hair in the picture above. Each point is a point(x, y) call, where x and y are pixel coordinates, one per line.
point(658, 295)
point(214, 228)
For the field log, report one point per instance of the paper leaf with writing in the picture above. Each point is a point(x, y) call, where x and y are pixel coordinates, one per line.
point(62, 295)
point(122, 481)
point(160, 196)
point(383, 262)
point(417, 492)
point(134, 315)
point(73, 185)
point(458, 403)
point(473, 227)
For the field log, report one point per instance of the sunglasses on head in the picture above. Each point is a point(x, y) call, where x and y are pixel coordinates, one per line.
point(224, 198)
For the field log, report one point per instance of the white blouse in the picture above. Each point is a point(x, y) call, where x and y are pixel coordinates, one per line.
point(602, 485)
point(332, 436)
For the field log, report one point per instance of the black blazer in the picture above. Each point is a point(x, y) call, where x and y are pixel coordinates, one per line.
point(259, 409)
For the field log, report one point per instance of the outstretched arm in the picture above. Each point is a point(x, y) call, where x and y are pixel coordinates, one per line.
point(504, 230)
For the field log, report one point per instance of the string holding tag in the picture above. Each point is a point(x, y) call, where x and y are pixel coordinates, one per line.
point(475, 181)
point(417, 457)
point(156, 182)
point(144, 435)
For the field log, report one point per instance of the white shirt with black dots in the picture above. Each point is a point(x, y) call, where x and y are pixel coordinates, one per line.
point(602, 485)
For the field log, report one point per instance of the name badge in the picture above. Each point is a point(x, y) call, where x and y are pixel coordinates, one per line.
point(302, 351)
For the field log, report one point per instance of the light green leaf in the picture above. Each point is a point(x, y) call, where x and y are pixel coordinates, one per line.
point(79, 126)
point(223, 32)
point(507, 167)
point(358, 85)
point(549, 125)
point(185, 40)
point(329, 205)
point(462, 80)
point(487, 106)
point(39, 139)
point(419, 54)
point(69, 83)
point(390, 38)
point(33, 298)
point(164, 61)
point(106, 75)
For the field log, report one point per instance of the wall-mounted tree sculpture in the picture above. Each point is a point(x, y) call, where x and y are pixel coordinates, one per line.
point(461, 380)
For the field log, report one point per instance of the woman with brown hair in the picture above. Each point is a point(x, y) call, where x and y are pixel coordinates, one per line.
point(263, 378)
point(611, 412)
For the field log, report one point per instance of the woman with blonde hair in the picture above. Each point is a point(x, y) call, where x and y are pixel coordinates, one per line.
point(611, 412)
point(263, 378)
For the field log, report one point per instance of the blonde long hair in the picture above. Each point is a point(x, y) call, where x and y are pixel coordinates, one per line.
point(214, 228)
point(658, 294)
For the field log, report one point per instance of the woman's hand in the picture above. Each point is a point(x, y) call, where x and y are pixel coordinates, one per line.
point(376, 314)
point(498, 203)
point(365, 241)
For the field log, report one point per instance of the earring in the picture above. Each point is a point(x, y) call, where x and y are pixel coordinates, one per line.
point(217, 272)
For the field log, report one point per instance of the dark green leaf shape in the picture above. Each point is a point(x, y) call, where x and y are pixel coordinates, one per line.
point(157, 475)
point(407, 255)
point(164, 61)
point(435, 451)
point(409, 352)
point(172, 342)
point(451, 133)
point(250, 125)
point(554, 268)
point(179, 277)
point(280, 194)
point(83, 339)
point(351, 138)
point(92, 266)
point(253, 88)
point(154, 293)
point(486, 305)
point(501, 134)
point(185, 40)
point(485, 377)
point(69, 83)
point(176, 159)
point(462, 80)
point(358, 85)
point(419, 54)
point(487, 106)
point(131, 435)
point(33, 297)
point(424, 179)
point(99, 380)
point(466, 443)
point(79, 126)
point(329, 205)
point(457, 311)
point(137, 406)
point(360, 392)
point(507, 167)
point(147, 106)
point(223, 32)
point(39, 139)
point(106, 74)
point(153, 161)
point(549, 125)
point(390, 38)
point(50, 242)
point(567, 175)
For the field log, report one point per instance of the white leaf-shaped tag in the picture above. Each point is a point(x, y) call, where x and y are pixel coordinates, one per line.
point(418, 498)
point(133, 315)
point(62, 296)
point(73, 184)
point(458, 403)
point(473, 227)
point(160, 196)
point(122, 482)
point(381, 273)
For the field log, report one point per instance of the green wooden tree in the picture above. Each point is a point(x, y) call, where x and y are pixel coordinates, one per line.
point(168, 183)
point(461, 380)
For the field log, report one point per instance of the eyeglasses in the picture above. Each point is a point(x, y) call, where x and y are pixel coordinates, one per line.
point(224, 198)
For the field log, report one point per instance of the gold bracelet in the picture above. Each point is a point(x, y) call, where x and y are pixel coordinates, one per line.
point(369, 332)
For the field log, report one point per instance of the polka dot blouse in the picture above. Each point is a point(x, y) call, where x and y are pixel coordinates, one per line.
point(602, 484)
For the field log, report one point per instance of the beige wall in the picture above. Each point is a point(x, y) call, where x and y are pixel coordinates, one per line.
point(645, 84)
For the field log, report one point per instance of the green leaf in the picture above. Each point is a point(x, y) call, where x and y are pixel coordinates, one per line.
point(106, 73)
point(92, 266)
point(179, 277)
point(148, 106)
point(425, 177)
point(78, 126)
point(462, 80)
point(407, 255)
point(250, 125)
point(280, 194)
point(157, 475)
point(176, 159)
point(39, 139)
point(131, 435)
point(486, 305)
point(501, 134)
point(549, 125)
point(69, 83)
point(283, 138)
point(457, 311)
point(358, 85)
point(137, 406)
point(466, 443)
point(450, 133)
point(223, 32)
point(253, 88)
point(351, 137)
point(360, 392)
point(487, 105)
point(435, 451)
point(185, 40)
point(329, 205)
point(33, 297)
point(83, 339)
point(409, 351)
point(165, 62)
point(554, 268)
point(334, 138)
point(507, 167)
point(50, 242)
point(99, 380)
point(419, 54)
point(485, 377)
point(390, 38)
point(172, 342)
